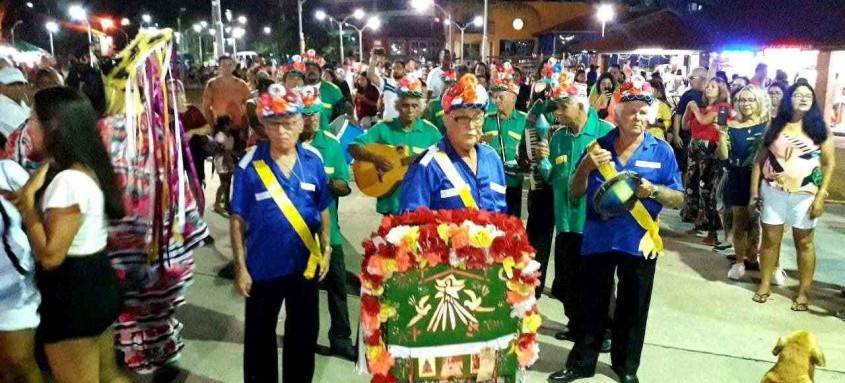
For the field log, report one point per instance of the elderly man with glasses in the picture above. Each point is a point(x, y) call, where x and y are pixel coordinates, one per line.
point(459, 172)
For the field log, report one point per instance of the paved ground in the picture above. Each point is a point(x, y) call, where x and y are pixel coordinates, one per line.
point(702, 328)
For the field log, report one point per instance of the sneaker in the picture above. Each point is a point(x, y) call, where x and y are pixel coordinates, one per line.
point(737, 271)
point(779, 279)
point(722, 247)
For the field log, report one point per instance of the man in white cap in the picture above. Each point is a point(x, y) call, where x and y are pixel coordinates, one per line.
point(13, 108)
point(459, 172)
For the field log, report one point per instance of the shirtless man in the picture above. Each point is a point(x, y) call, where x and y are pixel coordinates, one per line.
point(226, 95)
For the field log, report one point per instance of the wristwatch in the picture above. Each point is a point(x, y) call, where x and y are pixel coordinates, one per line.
point(655, 191)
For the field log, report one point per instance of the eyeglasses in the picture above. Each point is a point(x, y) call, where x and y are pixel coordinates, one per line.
point(746, 100)
point(477, 121)
point(802, 96)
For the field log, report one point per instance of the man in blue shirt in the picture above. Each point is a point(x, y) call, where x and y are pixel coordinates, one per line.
point(458, 172)
point(620, 245)
point(280, 202)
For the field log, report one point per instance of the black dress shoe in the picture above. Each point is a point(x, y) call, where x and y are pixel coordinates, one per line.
point(628, 379)
point(606, 346)
point(566, 376)
point(344, 351)
point(564, 335)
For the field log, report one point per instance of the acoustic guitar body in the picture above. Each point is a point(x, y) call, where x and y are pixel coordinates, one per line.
point(367, 177)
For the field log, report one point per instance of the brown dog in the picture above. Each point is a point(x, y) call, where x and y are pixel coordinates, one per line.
point(798, 355)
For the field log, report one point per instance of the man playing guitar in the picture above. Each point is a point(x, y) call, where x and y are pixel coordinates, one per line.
point(408, 133)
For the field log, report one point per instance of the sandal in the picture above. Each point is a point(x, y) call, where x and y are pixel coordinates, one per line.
point(761, 298)
point(800, 306)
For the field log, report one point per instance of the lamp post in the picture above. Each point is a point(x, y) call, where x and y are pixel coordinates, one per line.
point(76, 12)
point(299, 4)
point(425, 4)
point(358, 14)
point(476, 21)
point(374, 24)
point(52, 27)
point(198, 31)
point(217, 23)
point(604, 13)
point(237, 33)
point(485, 54)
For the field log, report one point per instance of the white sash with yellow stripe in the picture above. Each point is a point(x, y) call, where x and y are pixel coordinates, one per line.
point(457, 181)
point(293, 216)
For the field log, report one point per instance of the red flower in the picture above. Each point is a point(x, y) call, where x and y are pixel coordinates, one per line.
point(389, 378)
point(374, 339)
point(526, 340)
point(370, 304)
point(474, 258)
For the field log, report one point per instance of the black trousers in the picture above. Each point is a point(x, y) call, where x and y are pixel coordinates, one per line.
point(636, 279)
point(541, 229)
point(335, 284)
point(302, 325)
point(513, 197)
point(567, 265)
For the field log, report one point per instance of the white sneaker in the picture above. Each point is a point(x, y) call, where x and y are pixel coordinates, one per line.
point(737, 271)
point(779, 279)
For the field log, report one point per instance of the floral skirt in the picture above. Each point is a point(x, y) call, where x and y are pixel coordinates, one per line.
point(703, 173)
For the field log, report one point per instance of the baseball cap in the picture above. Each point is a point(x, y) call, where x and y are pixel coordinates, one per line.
point(11, 76)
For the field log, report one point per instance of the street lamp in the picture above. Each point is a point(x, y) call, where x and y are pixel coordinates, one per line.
point(106, 24)
point(374, 24)
point(299, 4)
point(242, 20)
point(476, 22)
point(52, 27)
point(321, 15)
point(604, 13)
point(484, 53)
point(237, 33)
point(76, 12)
point(198, 30)
point(146, 19)
point(125, 22)
point(30, 5)
point(204, 24)
point(267, 30)
point(422, 5)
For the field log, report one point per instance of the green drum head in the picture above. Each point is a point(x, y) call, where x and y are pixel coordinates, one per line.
point(617, 195)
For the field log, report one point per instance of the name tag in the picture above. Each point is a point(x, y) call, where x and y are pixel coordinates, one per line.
point(449, 193)
point(307, 186)
point(329, 171)
point(262, 196)
point(515, 135)
point(560, 159)
point(498, 188)
point(647, 164)
point(492, 133)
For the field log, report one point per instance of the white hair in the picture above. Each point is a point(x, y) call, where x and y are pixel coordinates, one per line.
point(652, 111)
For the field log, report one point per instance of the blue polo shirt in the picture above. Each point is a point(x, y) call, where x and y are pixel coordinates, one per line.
point(655, 161)
point(427, 186)
point(273, 249)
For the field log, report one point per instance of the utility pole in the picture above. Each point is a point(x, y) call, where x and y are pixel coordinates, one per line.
point(217, 24)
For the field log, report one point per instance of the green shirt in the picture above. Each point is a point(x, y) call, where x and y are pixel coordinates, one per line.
point(334, 163)
point(330, 95)
point(565, 150)
point(434, 114)
point(511, 133)
point(422, 135)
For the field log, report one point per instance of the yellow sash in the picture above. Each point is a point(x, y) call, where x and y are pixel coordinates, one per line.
point(286, 206)
point(457, 181)
point(651, 244)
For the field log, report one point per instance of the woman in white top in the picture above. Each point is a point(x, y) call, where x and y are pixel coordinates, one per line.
point(19, 299)
point(67, 228)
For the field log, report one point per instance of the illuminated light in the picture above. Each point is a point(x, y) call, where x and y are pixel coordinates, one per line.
point(197, 28)
point(358, 14)
point(320, 15)
point(478, 21)
point(125, 22)
point(106, 23)
point(52, 26)
point(518, 24)
point(76, 12)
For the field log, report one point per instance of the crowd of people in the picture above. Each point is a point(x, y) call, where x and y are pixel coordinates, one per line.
point(744, 160)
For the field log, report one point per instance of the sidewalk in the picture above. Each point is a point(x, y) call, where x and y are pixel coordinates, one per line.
point(702, 329)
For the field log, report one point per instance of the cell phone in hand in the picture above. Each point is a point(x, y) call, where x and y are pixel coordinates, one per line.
point(722, 117)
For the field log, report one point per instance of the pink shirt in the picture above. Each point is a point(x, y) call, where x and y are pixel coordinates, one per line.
point(794, 164)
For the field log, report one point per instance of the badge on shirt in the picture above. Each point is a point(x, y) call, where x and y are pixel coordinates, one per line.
point(262, 196)
point(647, 164)
point(560, 159)
point(328, 170)
point(308, 186)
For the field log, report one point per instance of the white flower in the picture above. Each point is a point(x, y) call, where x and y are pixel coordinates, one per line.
point(532, 267)
point(518, 310)
point(396, 234)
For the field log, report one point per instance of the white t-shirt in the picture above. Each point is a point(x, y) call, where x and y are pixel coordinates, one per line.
point(389, 95)
point(435, 82)
point(14, 114)
point(19, 299)
point(75, 188)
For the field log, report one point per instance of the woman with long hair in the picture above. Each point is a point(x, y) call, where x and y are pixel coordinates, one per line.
point(366, 101)
point(703, 168)
point(481, 73)
point(602, 94)
point(67, 227)
point(663, 122)
point(789, 186)
point(738, 145)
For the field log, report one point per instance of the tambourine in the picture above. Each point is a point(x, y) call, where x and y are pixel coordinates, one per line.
point(617, 195)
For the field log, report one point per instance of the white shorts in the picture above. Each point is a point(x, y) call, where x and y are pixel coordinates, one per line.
point(789, 209)
point(24, 313)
